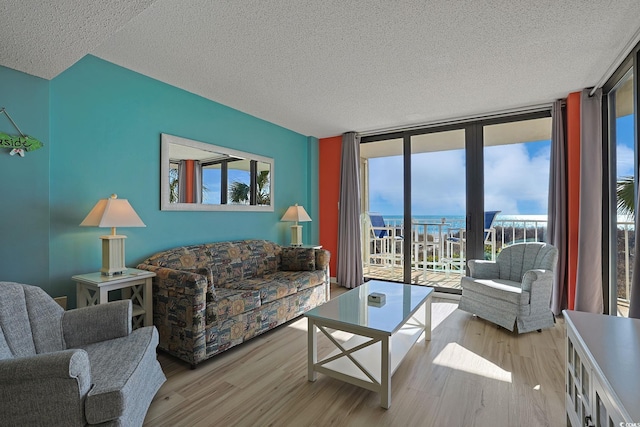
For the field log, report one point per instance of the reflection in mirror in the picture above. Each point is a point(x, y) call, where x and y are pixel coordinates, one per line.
point(201, 176)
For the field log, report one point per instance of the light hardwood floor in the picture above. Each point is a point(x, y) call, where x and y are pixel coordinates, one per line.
point(470, 374)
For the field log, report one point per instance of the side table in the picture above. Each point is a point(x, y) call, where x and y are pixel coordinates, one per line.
point(94, 288)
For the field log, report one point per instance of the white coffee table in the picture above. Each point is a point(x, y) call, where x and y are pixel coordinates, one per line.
point(383, 335)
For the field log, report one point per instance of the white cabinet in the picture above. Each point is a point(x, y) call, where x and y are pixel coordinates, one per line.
point(602, 370)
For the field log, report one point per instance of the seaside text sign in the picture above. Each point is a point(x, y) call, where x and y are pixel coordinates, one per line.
point(25, 143)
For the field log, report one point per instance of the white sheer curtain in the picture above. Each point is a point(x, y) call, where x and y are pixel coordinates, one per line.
point(349, 258)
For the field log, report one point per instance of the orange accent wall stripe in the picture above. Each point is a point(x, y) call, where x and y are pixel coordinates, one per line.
point(573, 183)
point(330, 152)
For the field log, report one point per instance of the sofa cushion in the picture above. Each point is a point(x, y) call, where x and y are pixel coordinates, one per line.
point(298, 259)
point(231, 302)
point(505, 290)
point(301, 279)
point(262, 258)
point(270, 290)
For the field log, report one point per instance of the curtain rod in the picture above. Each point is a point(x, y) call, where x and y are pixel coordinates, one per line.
point(618, 61)
point(460, 120)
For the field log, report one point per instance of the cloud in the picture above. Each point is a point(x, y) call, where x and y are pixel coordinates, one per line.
point(517, 178)
point(624, 160)
point(516, 181)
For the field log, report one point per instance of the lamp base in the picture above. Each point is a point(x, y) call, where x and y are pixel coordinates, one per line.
point(296, 235)
point(113, 255)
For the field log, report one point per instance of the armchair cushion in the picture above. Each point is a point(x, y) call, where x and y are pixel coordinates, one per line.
point(500, 289)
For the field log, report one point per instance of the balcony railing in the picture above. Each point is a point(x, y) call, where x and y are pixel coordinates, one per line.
point(507, 231)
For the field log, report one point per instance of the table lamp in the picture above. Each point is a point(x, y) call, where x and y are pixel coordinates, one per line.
point(297, 214)
point(112, 212)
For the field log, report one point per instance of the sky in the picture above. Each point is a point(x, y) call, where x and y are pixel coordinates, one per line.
point(624, 146)
point(211, 182)
point(516, 178)
point(516, 181)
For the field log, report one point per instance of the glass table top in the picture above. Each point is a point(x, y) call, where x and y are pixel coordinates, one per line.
point(353, 308)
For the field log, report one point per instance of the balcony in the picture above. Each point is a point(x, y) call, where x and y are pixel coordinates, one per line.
point(438, 263)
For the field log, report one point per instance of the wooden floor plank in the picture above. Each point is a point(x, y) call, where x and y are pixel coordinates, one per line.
point(471, 373)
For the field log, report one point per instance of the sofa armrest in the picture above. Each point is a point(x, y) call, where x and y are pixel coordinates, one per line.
point(323, 257)
point(27, 385)
point(96, 323)
point(179, 311)
point(481, 269)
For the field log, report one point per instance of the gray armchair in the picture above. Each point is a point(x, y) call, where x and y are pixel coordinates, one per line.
point(513, 290)
point(74, 368)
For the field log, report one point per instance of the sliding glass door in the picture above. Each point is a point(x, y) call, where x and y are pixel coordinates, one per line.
point(516, 182)
point(435, 197)
point(622, 118)
point(438, 208)
point(382, 215)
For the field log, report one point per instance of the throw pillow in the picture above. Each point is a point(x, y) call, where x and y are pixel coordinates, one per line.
point(298, 259)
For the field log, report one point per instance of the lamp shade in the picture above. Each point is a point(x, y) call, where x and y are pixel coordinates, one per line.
point(112, 212)
point(296, 213)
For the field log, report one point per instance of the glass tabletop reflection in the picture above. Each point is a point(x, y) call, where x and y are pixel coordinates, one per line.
point(353, 308)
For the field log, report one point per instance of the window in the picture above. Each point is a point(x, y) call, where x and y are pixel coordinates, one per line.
point(427, 193)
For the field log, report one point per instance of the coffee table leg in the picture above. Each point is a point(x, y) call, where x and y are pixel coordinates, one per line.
point(312, 350)
point(385, 377)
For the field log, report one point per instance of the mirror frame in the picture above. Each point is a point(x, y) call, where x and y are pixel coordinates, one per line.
point(165, 205)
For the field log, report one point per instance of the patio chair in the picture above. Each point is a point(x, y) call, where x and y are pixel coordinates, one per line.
point(382, 244)
point(459, 241)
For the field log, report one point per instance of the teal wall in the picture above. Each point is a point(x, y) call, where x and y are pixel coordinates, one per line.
point(105, 126)
point(24, 182)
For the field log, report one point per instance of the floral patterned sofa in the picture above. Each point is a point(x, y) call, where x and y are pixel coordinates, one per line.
point(210, 297)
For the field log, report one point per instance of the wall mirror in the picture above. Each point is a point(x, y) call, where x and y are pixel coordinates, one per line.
point(196, 176)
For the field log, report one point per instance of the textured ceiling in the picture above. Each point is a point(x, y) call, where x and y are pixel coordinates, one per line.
point(325, 67)
point(44, 38)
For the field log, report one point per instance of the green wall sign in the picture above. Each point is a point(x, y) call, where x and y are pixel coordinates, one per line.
point(25, 143)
